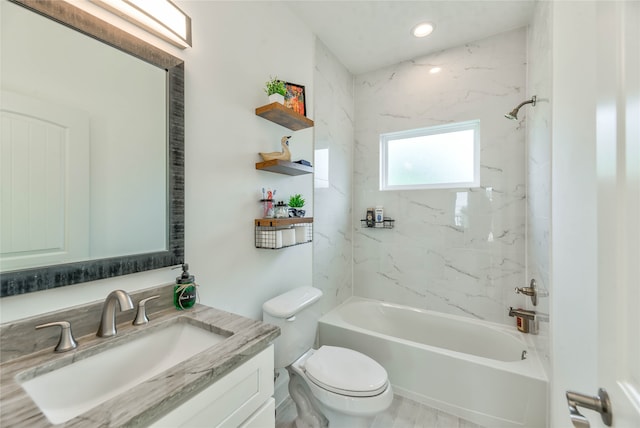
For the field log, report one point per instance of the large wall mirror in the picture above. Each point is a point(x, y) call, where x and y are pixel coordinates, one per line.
point(92, 150)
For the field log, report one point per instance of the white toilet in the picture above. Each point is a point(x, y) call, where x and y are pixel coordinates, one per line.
point(330, 386)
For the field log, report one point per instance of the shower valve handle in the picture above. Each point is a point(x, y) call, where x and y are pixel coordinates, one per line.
point(528, 291)
point(531, 291)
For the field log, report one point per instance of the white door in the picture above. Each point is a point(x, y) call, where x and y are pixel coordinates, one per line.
point(618, 169)
point(595, 325)
point(44, 170)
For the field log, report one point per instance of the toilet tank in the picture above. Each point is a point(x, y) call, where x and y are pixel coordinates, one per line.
point(297, 314)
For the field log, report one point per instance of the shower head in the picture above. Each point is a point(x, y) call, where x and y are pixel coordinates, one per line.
point(513, 114)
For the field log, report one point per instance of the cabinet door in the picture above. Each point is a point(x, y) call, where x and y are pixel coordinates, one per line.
point(264, 417)
point(230, 401)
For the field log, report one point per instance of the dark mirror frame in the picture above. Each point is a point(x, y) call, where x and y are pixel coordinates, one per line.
point(47, 277)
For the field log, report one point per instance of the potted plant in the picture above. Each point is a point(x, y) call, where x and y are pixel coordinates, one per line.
point(276, 90)
point(295, 203)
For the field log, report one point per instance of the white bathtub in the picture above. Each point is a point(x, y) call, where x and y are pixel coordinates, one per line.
point(471, 369)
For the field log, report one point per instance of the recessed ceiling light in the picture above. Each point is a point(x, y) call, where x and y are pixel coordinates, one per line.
point(422, 30)
point(435, 70)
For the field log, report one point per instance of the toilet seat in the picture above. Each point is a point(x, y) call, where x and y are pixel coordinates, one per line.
point(345, 372)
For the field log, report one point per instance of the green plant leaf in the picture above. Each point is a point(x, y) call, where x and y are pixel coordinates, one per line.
point(275, 86)
point(296, 201)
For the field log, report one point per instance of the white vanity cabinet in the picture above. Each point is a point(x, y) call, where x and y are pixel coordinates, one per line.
point(242, 398)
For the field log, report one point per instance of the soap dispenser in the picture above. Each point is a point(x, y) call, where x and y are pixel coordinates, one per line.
point(184, 292)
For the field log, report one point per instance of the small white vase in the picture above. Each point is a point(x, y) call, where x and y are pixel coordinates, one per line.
point(276, 98)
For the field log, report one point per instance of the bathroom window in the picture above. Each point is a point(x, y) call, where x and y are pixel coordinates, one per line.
point(438, 157)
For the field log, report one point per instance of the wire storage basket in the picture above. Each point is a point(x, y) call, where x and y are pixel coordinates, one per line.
point(276, 233)
point(387, 223)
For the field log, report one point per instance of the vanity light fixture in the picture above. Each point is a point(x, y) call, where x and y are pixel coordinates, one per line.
point(162, 18)
point(423, 29)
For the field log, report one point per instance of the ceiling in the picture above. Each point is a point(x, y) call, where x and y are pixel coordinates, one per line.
point(367, 35)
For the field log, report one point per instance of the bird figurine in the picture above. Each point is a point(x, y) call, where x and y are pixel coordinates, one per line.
point(285, 154)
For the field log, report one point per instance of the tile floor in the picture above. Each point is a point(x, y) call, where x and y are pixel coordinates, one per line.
point(403, 413)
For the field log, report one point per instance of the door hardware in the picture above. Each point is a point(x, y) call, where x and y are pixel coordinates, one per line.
point(599, 403)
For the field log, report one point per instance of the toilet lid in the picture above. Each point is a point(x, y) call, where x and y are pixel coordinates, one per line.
point(346, 372)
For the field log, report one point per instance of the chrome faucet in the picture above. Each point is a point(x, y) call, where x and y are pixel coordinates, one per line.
point(141, 313)
point(108, 320)
point(66, 341)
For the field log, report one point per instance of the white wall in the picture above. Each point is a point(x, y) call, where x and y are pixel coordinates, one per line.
point(428, 260)
point(236, 47)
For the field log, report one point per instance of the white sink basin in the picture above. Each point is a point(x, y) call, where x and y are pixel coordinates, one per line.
point(69, 391)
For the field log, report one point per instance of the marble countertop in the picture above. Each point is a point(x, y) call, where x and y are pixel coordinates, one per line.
point(153, 398)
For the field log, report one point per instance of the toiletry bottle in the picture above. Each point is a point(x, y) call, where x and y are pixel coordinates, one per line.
point(184, 292)
point(379, 216)
point(370, 220)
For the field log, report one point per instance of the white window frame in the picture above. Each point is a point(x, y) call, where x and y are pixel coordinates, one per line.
point(473, 125)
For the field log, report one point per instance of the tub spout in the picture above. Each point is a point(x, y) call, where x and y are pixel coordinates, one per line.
point(529, 315)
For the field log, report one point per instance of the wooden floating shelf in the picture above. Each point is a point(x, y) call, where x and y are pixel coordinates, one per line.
point(282, 222)
point(278, 113)
point(284, 167)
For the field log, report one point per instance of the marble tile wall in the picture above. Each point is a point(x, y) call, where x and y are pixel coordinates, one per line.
point(334, 127)
point(539, 74)
point(457, 251)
